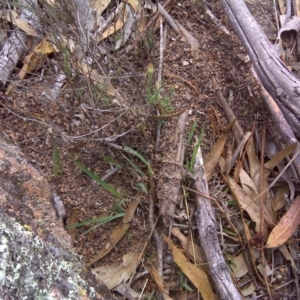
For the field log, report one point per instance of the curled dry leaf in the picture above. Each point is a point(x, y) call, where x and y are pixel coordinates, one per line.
point(112, 276)
point(281, 193)
point(214, 156)
point(117, 233)
point(36, 57)
point(286, 226)
point(13, 17)
point(195, 251)
point(276, 159)
point(245, 202)
point(197, 276)
point(248, 184)
point(254, 163)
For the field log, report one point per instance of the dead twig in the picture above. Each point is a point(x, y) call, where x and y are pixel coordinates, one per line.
point(205, 218)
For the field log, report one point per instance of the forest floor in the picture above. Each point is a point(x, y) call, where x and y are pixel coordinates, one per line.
point(76, 128)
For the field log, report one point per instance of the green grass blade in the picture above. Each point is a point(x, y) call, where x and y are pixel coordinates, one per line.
point(111, 161)
point(192, 132)
point(136, 167)
point(105, 185)
point(141, 158)
point(100, 221)
point(117, 208)
point(142, 187)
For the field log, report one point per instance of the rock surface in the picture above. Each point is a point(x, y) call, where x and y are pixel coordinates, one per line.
point(36, 257)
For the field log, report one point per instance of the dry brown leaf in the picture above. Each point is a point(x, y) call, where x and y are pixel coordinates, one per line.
point(36, 57)
point(248, 184)
point(222, 164)
point(118, 24)
point(13, 17)
point(282, 7)
point(283, 249)
point(197, 276)
point(249, 290)
point(195, 251)
point(112, 276)
point(117, 233)
point(281, 193)
point(99, 5)
point(286, 226)
point(239, 266)
point(110, 243)
point(130, 211)
point(245, 202)
point(254, 163)
point(276, 159)
point(103, 82)
point(214, 156)
point(157, 278)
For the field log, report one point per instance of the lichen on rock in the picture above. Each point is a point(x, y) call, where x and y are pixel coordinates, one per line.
point(33, 269)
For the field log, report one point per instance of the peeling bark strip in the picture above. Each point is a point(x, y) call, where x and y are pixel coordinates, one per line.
point(170, 174)
point(282, 84)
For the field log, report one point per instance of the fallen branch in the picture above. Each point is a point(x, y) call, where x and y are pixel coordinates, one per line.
point(281, 84)
point(205, 218)
point(280, 122)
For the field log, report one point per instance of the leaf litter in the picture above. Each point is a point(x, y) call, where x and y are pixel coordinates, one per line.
point(246, 187)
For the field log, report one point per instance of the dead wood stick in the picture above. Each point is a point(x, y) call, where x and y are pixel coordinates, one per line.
point(280, 122)
point(169, 184)
point(205, 217)
point(283, 85)
point(229, 115)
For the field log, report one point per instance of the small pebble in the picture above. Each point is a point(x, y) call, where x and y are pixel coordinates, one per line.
point(168, 258)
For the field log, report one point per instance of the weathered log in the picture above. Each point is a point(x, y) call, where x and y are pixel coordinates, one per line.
point(280, 83)
point(37, 261)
